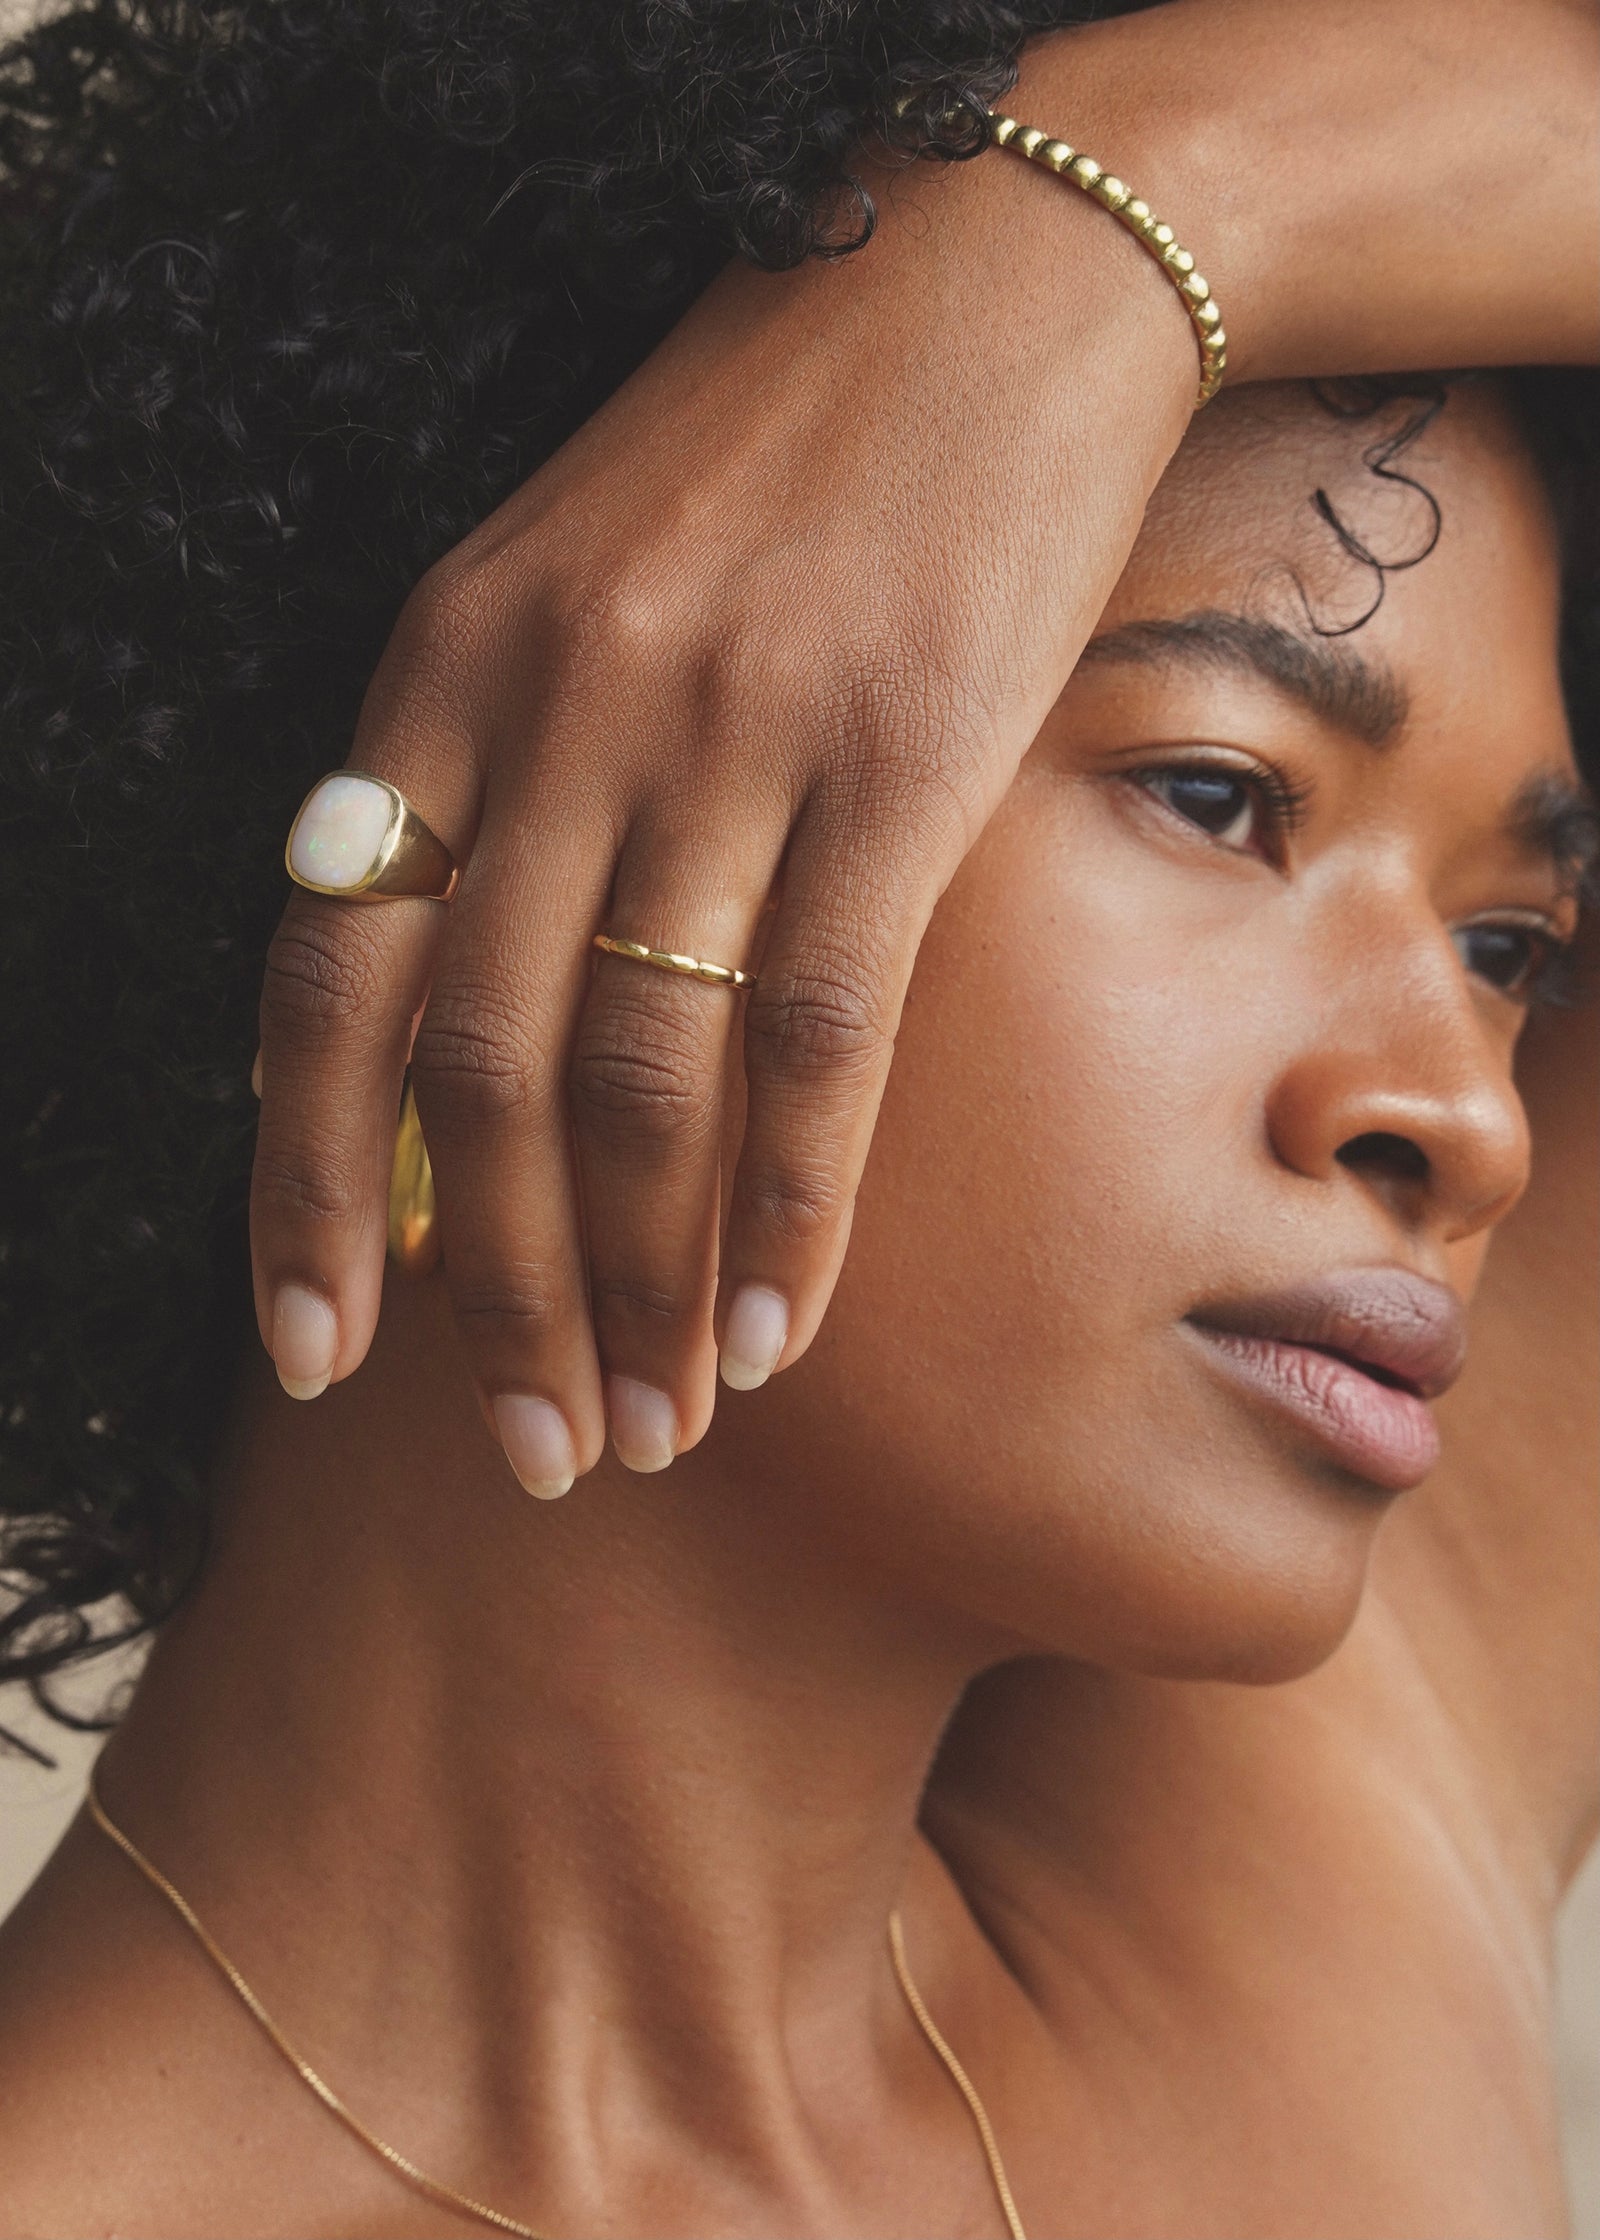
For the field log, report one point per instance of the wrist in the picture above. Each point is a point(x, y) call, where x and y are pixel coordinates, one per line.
point(1326, 167)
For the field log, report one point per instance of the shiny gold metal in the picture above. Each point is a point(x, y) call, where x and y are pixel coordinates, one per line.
point(958, 2077)
point(445, 2197)
point(412, 863)
point(1143, 225)
point(673, 960)
point(1137, 216)
point(413, 1215)
point(433, 2189)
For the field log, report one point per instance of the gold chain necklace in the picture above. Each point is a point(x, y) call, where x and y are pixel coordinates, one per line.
point(433, 2189)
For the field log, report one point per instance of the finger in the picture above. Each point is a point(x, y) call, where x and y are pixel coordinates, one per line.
point(341, 983)
point(647, 1085)
point(489, 1070)
point(819, 1033)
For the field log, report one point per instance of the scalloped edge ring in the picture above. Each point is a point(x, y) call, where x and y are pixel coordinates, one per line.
point(673, 960)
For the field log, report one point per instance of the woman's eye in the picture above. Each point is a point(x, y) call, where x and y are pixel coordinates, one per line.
point(1513, 958)
point(1222, 803)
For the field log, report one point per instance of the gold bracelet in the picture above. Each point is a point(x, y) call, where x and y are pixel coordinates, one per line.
point(1027, 140)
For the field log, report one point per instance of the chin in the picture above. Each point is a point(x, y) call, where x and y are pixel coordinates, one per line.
point(1251, 1571)
point(1279, 1608)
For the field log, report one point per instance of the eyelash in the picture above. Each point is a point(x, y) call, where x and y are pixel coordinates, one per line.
point(1281, 800)
point(1546, 979)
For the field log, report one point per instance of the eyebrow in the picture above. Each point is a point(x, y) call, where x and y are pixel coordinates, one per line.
point(1551, 815)
point(1331, 681)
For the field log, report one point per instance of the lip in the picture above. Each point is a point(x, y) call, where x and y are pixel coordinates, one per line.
point(1354, 1359)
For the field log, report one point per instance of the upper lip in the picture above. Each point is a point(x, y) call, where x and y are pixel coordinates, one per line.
point(1399, 1327)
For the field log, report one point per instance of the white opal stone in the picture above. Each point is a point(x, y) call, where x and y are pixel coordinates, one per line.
point(340, 831)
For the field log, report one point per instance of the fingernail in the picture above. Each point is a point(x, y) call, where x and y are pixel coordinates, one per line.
point(644, 1424)
point(255, 1074)
point(757, 1332)
point(305, 1339)
point(538, 1444)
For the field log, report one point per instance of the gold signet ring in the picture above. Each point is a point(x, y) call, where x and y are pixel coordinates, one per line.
point(413, 1211)
point(359, 837)
point(672, 960)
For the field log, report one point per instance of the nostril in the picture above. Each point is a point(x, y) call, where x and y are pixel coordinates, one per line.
point(1387, 1157)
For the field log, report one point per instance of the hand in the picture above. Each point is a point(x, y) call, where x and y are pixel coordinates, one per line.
point(780, 622)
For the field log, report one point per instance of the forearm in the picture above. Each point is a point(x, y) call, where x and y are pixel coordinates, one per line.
point(1369, 187)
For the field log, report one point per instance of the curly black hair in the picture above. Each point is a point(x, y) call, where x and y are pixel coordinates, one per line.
point(292, 293)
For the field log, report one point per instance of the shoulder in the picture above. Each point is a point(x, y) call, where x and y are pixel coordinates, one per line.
point(136, 2101)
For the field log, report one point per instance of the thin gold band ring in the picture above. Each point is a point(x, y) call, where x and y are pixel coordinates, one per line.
point(671, 960)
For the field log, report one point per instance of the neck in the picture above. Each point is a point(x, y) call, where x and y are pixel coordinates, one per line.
point(614, 1777)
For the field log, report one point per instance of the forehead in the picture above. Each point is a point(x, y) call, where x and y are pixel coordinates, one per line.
point(1278, 506)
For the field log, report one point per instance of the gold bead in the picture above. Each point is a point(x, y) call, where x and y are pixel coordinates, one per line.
point(1136, 214)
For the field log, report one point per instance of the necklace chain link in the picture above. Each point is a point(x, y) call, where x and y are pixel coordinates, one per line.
point(434, 2189)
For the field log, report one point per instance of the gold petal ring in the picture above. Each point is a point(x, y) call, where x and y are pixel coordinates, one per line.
point(672, 960)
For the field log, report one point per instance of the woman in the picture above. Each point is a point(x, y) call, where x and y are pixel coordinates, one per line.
point(334, 282)
point(1193, 1032)
point(562, 1840)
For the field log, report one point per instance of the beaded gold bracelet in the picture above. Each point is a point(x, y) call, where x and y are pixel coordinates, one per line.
point(1027, 140)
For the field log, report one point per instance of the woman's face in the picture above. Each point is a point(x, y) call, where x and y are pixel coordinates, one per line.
point(1205, 1078)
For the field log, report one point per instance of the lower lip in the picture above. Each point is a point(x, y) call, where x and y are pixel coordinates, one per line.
point(1377, 1432)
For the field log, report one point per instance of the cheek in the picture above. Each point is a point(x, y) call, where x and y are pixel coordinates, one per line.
point(1074, 1102)
point(1071, 1150)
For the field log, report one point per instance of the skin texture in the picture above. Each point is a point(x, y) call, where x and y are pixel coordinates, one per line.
point(882, 581)
point(562, 1836)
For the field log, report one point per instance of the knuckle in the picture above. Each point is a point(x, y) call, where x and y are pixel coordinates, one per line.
point(637, 1301)
point(520, 1306)
point(428, 685)
point(792, 1203)
point(471, 1062)
point(634, 1073)
point(302, 1192)
point(443, 621)
point(319, 974)
point(620, 619)
point(821, 1019)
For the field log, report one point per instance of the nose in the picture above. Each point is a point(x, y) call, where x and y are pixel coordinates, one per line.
point(1408, 1093)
